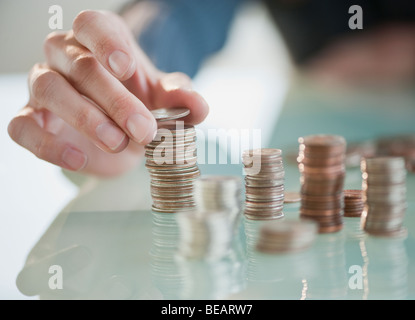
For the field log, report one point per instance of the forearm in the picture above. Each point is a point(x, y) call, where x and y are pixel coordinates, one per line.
point(178, 35)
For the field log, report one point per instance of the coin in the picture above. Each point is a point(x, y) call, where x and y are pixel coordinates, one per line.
point(264, 183)
point(167, 114)
point(219, 193)
point(172, 169)
point(384, 195)
point(353, 203)
point(321, 162)
point(204, 235)
point(283, 236)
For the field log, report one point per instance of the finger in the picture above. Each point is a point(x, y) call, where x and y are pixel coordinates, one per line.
point(26, 131)
point(91, 79)
point(51, 91)
point(173, 90)
point(105, 35)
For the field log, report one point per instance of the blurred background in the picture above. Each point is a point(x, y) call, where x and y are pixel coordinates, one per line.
point(24, 26)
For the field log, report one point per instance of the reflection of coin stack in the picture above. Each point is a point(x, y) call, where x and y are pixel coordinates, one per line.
point(204, 234)
point(219, 193)
point(264, 184)
point(331, 278)
point(384, 186)
point(261, 268)
point(286, 236)
point(388, 270)
point(171, 162)
point(204, 279)
point(353, 203)
point(165, 273)
point(321, 164)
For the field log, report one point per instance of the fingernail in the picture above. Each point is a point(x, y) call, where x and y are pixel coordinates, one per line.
point(110, 135)
point(119, 63)
point(175, 81)
point(74, 159)
point(141, 128)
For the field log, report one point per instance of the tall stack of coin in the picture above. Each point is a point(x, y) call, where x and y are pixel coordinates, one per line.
point(384, 187)
point(353, 203)
point(321, 164)
point(264, 184)
point(218, 193)
point(171, 162)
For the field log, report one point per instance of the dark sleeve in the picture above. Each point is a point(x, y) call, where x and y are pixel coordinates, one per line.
point(309, 26)
point(185, 32)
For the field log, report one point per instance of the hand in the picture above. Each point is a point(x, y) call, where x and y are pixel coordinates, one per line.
point(89, 102)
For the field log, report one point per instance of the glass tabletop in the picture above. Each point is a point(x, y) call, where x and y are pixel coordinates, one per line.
point(134, 255)
point(118, 248)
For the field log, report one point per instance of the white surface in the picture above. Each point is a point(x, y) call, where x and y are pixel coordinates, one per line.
point(32, 191)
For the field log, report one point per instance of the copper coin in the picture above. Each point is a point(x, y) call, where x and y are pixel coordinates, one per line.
point(292, 197)
point(317, 213)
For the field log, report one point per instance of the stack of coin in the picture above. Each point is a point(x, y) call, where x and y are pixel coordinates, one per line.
point(219, 193)
point(205, 235)
point(286, 236)
point(171, 162)
point(353, 203)
point(264, 184)
point(321, 164)
point(384, 187)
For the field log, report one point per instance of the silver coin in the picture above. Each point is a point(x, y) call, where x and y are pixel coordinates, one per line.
point(167, 114)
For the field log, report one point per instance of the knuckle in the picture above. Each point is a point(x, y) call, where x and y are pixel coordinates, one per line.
point(52, 39)
point(82, 120)
point(83, 18)
point(103, 47)
point(119, 106)
point(82, 68)
point(42, 83)
point(42, 148)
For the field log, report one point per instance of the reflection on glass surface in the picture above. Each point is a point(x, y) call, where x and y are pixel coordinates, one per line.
point(356, 256)
point(330, 281)
point(387, 265)
point(134, 255)
point(103, 255)
point(177, 277)
point(165, 273)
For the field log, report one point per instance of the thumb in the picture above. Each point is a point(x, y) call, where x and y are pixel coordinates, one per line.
point(175, 90)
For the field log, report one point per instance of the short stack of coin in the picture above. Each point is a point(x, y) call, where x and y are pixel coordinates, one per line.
point(321, 164)
point(384, 187)
point(218, 193)
point(206, 235)
point(353, 203)
point(171, 162)
point(264, 184)
point(286, 236)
